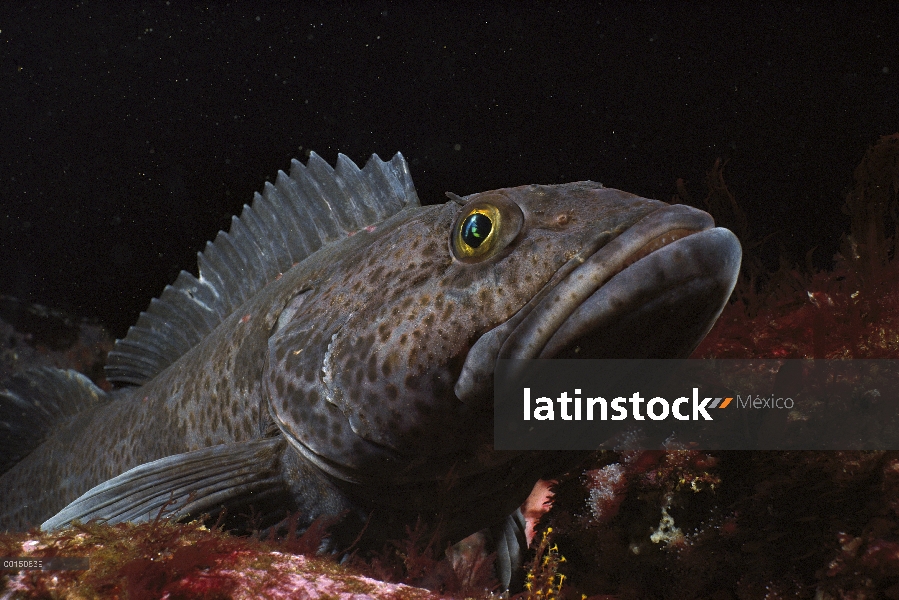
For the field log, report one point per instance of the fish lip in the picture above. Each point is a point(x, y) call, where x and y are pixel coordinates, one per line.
point(692, 276)
point(526, 334)
point(658, 229)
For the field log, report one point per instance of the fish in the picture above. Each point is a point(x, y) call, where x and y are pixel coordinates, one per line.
point(335, 356)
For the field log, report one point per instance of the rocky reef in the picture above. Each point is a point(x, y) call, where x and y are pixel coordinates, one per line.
point(672, 523)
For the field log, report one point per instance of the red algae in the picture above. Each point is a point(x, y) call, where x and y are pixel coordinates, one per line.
point(464, 570)
point(673, 523)
point(825, 315)
point(873, 206)
point(851, 311)
point(685, 524)
point(164, 559)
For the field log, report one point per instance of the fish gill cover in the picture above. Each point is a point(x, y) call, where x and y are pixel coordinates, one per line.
point(283, 377)
point(680, 523)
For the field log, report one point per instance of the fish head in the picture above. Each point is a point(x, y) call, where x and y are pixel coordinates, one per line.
point(382, 367)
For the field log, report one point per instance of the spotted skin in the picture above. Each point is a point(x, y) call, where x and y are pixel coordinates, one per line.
point(352, 355)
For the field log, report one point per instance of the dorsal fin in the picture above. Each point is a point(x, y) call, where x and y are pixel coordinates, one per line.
point(291, 219)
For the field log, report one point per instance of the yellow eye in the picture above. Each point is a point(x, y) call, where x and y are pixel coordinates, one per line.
point(485, 226)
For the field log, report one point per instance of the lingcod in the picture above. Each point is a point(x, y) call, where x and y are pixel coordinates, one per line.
point(335, 352)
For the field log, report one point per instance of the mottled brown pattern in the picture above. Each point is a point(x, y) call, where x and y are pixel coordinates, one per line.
point(362, 375)
point(384, 341)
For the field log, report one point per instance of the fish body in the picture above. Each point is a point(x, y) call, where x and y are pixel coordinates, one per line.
point(336, 352)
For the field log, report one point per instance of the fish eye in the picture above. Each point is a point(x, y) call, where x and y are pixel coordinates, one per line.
point(476, 229)
point(484, 227)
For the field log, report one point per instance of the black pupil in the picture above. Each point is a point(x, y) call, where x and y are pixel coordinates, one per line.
point(475, 229)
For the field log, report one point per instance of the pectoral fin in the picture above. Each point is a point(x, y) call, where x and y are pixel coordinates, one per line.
point(192, 483)
point(511, 543)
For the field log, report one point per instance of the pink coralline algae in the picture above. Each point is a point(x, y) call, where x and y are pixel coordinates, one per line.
point(170, 560)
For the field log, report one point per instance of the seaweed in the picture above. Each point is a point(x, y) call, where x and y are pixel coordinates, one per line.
point(674, 523)
point(850, 311)
point(873, 209)
point(143, 560)
point(543, 579)
point(465, 569)
point(679, 523)
point(163, 558)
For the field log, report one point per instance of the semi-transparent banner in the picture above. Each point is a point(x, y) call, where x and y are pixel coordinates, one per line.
point(721, 404)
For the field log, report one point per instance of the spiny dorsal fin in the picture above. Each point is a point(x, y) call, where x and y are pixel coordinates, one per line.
point(291, 219)
point(34, 403)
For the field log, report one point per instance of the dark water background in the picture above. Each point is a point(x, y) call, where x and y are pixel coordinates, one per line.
point(130, 133)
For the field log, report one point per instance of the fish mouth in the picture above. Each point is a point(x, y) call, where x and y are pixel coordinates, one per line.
point(653, 291)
